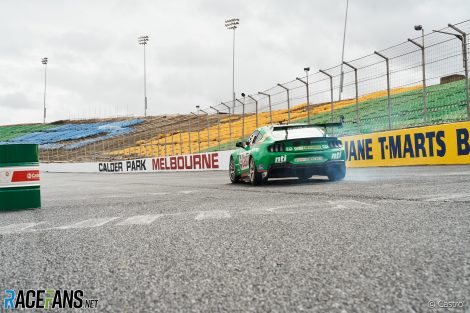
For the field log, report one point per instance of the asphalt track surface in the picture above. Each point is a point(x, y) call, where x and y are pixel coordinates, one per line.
point(383, 240)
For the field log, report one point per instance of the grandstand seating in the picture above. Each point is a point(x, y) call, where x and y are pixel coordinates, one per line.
point(152, 136)
point(445, 103)
point(68, 136)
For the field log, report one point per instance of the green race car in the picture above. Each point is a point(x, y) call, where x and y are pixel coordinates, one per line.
point(295, 150)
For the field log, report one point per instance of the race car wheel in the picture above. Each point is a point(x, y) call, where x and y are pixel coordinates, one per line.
point(234, 178)
point(337, 173)
point(256, 178)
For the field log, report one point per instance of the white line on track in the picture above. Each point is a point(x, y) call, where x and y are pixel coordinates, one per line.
point(140, 220)
point(17, 227)
point(217, 214)
point(94, 222)
point(187, 192)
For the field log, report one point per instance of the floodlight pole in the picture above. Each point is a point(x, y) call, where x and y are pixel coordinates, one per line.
point(357, 95)
point(218, 124)
point(288, 102)
point(232, 24)
point(308, 98)
point(388, 89)
point(143, 41)
point(270, 107)
point(462, 36)
point(229, 121)
point(256, 109)
point(331, 93)
point(44, 61)
point(423, 66)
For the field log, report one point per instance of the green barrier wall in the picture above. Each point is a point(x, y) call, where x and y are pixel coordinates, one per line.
point(19, 177)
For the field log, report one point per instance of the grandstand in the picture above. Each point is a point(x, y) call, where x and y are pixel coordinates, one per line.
point(181, 134)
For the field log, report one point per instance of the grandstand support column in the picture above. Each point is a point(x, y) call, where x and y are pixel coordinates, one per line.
point(243, 117)
point(308, 98)
point(256, 109)
point(208, 126)
point(463, 38)
point(387, 66)
point(332, 111)
point(356, 84)
point(288, 102)
point(270, 106)
point(423, 69)
point(229, 122)
point(218, 125)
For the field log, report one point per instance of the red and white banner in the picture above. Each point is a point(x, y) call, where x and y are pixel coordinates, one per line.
point(21, 176)
point(211, 161)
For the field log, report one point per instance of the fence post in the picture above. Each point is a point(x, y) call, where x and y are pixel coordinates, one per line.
point(256, 109)
point(423, 67)
point(229, 122)
point(288, 102)
point(243, 117)
point(218, 125)
point(462, 36)
point(208, 131)
point(189, 135)
point(198, 134)
point(331, 93)
point(270, 108)
point(388, 89)
point(357, 95)
point(308, 98)
point(181, 139)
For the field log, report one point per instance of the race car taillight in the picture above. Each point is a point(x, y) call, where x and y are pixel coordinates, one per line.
point(277, 147)
point(335, 144)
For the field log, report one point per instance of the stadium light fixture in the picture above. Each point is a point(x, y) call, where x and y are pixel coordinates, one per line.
point(143, 41)
point(232, 24)
point(44, 62)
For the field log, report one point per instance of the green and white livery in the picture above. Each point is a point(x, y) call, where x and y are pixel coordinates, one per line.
point(296, 150)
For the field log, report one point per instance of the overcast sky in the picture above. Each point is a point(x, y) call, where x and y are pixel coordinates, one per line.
point(96, 66)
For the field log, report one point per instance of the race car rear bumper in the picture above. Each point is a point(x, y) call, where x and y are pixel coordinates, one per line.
point(294, 170)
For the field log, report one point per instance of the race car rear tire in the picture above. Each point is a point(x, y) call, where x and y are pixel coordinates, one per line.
point(337, 173)
point(256, 178)
point(234, 178)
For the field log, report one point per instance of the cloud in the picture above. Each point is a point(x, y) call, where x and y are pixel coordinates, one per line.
point(96, 65)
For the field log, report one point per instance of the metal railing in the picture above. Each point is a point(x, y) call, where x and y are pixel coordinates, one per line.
point(421, 81)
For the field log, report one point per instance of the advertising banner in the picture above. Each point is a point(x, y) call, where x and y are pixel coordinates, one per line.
point(438, 144)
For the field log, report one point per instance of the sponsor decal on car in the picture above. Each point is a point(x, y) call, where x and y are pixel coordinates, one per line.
point(336, 155)
point(302, 148)
point(280, 159)
point(309, 159)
